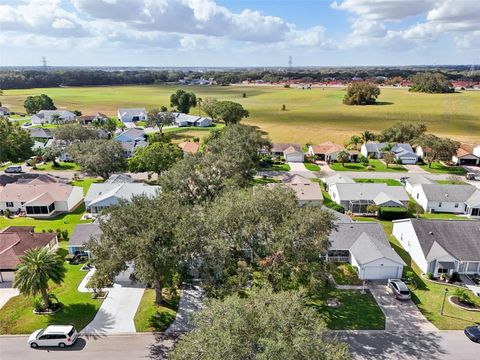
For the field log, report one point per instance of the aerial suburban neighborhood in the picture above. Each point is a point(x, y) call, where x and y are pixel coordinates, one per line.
point(218, 180)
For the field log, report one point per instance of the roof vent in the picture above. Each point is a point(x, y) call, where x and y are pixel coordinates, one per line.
point(430, 232)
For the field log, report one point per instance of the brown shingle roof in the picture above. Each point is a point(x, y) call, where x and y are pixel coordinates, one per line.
point(16, 240)
point(465, 149)
point(281, 147)
point(326, 148)
point(28, 192)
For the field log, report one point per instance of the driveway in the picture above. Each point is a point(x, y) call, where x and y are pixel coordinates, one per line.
point(118, 310)
point(190, 302)
point(297, 167)
point(7, 292)
point(399, 315)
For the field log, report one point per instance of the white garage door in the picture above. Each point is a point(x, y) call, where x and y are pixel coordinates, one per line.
point(409, 161)
point(380, 272)
point(294, 157)
point(6, 276)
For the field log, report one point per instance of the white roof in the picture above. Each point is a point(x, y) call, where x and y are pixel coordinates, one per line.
point(339, 179)
point(57, 329)
point(124, 191)
point(369, 191)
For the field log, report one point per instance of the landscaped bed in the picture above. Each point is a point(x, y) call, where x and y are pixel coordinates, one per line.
point(357, 311)
point(344, 274)
point(374, 165)
point(389, 182)
point(150, 317)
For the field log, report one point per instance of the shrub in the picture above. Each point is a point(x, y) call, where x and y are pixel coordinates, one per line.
point(363, 160)
point(392, 213)
point(336, 207)
point(430, 275)
point(369, 167)
point(38, 304)
point(64, 234)
point(462, 296)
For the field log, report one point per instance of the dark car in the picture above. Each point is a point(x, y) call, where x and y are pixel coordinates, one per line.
point(399, 289)
point(473, 333)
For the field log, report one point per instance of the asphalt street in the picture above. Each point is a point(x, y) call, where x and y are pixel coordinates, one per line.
point(365, 345)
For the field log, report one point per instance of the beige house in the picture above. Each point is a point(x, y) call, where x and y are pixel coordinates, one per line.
point(306, 191)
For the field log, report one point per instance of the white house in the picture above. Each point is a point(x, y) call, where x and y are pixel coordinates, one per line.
point(103, 195)
point(445, 198)
point(372, 149)
point(4, 111)
point(404, 154)
point(465, 156)
point(306, 191)
point(365, 246)
point(293, 155)
point(46, 116)
point(476, 151)
point(40, 200)
point(131, 115)
point(338, 179)
point(131, 139)
point(80, 235)
point(416, 180)
point(356, 197)
point(182, 120)
point(326, 151)
point(441, 246)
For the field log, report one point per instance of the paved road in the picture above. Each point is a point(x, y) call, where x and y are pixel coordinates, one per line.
point(365, 345)
point(399, 315)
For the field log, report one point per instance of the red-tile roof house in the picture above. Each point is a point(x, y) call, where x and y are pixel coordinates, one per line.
point(189, 147)
point(465, 156)
point(15, 241)
point(40, 200)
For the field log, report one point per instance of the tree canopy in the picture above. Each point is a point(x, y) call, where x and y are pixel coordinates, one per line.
point(209, 105)
point(436, 148)
point(99, 157)
point(107, 124)
point(264, 325)
point(402, 132)
point(361, 93)
point(183, 100)
point(34, 104)
point(74, 132)
point(230, 112)
point(430, 82)
point(15, 143)
point(157, 157)
point(159, 118)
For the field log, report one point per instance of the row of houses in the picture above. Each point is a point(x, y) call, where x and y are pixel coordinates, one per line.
point(131, 115)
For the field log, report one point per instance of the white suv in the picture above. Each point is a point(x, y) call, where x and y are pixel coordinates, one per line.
point(54, 335)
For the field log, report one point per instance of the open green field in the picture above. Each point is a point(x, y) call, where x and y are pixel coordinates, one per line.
point(312, 115)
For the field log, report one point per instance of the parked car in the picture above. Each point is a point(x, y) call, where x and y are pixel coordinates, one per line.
point(27, 124)
point(473, 332)
point(470, 176)
point(13, 169)
point(399, 289)
point(53, 335)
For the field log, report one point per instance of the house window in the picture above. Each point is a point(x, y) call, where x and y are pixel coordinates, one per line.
point(418, 195)
point(439, 204)
point(442, 271)
point(9, 204)
point(456, 205)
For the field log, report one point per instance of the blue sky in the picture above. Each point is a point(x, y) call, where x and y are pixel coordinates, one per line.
point(239, 33)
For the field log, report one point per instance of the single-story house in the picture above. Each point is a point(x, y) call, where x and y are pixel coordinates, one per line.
point(326, 151)
point(365, 246)
point(357, 197)
point(129, 147)
point(130, 135)
point(373, 149)
point(404, 154)
point(278, 148)
point(446, 198)
point(189, 147)
point(306, 191)
point(131, 115)
point(466, 156)
point(46, 116)
point(88, 119)
point(80, 235)
point(338, 179)
point(103, 195)
point(40, 200)
point(15, 241)
point(293, 155)
point(182, 120)
point(441, 246)
point(40, 133)
point(416, 180)
point(4, 111)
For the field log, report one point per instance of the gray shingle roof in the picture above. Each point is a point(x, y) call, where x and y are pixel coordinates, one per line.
point(41, 133)
point(375, 146)
point(281, 147)
point(82, 233)
point(339, 179)
point(459, 238)
point(369, 191)
point(448, 193)
point(365, 240)
point(419, 179)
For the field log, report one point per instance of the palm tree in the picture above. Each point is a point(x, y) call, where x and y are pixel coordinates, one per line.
point(343, 157)
point(367, 136)
point(355, 140)
point(37, 267)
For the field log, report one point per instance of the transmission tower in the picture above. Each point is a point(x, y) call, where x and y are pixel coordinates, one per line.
point(44, 63)
point(471, 71)
point(290, 61)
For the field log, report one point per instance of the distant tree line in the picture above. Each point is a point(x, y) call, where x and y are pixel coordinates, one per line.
point(54, 78)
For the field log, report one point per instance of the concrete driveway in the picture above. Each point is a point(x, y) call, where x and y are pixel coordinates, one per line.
point(399, 315)
point(7, 292)
point(297, 167)
point(118, 310)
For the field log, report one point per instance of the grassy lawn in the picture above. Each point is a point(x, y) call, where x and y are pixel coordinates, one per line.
point(274, 167)
point(16, 317)
point(344, 274)
point(376, 165)
point(437, 168)
point(63, 222)
point(390, 182)
point(450, 182)
point(63, 166)
point(150, 317)
point(311, 167)
point(429, 296)
point(265, 180)
point(358, 311)
point(86, 183)
point(309, 112)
